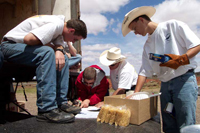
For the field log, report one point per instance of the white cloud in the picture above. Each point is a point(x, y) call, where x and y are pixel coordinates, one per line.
point(90, 53)
point(91, 13)
point(88, 59)
point(111, 21)
point(101, 6)
point(95, 23)
point(118, 29)
point(98, 47)
point(183, 10)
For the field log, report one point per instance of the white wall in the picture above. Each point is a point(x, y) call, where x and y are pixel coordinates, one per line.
point(55, 7)
point(62, 7)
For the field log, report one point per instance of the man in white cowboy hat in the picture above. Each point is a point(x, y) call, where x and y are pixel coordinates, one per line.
point(122, 74)
point(178, 82)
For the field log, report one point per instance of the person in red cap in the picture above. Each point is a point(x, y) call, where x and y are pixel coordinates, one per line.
point(92, 85)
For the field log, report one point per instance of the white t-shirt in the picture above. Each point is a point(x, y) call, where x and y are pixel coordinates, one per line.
point(47, 28)
point(124, 76)
point(170, 37)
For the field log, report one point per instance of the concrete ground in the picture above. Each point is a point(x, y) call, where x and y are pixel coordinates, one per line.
point(30, 105)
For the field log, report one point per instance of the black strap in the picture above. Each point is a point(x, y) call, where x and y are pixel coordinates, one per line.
point(61, 50)
point(191, 70)
point(6, 39)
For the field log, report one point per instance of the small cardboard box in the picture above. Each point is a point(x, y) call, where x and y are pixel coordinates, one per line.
point(15, 108)
point(141, 110)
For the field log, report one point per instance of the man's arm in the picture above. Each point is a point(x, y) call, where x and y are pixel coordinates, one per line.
point(31, 39)
point(72, 50)
point(60, 58)
point(81, 89)
point(193, 51)
point(140, 82)
point(119, 91)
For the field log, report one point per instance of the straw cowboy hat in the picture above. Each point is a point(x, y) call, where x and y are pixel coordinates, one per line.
point(133, 14)
point(112, 56)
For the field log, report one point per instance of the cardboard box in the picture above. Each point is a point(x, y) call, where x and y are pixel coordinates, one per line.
point(12, 107)
point(141, 110)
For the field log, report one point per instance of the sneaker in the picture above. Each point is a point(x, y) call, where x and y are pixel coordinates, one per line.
point(55, 116)
point(70, 108)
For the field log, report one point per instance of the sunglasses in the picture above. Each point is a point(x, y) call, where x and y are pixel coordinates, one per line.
point(113, 65)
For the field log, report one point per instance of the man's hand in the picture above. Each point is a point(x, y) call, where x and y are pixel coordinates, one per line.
point(68, 55)
point(60, 60)
point(85, 103)
point(77, 103)
point(176, 61)
point(99, 105)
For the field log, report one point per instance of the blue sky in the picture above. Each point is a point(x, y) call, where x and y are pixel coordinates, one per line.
point(104, 19)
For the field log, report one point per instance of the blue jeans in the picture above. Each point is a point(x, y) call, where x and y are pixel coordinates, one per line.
point(52, 85)
point(73, 60)
point(182, 92)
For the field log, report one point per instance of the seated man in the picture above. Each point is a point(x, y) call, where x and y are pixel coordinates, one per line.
point(92, 85)
point(38, 41)
point(122, 74)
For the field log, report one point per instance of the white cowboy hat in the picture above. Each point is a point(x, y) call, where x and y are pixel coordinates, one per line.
point(112, 56)
point(133, 14)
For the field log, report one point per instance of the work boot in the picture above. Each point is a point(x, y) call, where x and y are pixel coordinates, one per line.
point(55, 116)
point(70, 108)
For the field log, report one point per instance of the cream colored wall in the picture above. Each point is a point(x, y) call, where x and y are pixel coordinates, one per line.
point(45, 7)
point(62, 7)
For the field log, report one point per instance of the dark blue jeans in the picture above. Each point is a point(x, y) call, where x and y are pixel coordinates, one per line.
point(52, 85)
point(182, 91)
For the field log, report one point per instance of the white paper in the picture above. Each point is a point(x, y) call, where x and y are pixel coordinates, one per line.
point(93, 108)
point(89, 113)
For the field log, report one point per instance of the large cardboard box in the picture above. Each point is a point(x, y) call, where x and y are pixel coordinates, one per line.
point(141, 110)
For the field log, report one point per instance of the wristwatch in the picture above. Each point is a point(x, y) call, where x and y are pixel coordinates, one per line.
point(61, 50)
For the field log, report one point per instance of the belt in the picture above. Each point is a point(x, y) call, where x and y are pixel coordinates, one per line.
point(7, 40)
point(190, 70)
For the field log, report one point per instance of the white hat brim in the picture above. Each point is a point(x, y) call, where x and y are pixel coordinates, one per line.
point(133, 14)
point(103, 59)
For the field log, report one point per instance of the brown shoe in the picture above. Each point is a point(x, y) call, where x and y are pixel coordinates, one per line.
point(55, 116)
point(70, 108)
